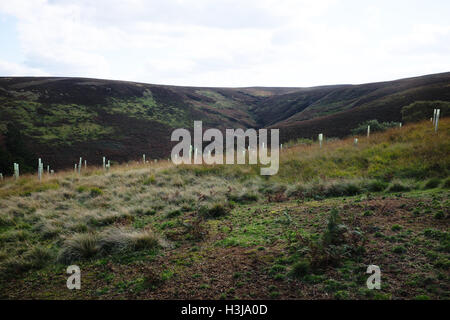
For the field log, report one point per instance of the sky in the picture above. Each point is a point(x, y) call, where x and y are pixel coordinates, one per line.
point(231, 43)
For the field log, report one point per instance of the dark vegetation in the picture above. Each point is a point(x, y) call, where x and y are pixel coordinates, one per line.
point(61, 119)
point(419, 110)
point(375, 126)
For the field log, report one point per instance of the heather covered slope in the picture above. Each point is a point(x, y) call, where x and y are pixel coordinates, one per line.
point(336, 111)
point(61, 119)
point(225, 232)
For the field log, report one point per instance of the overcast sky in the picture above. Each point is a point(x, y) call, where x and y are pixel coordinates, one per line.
point(226, 43)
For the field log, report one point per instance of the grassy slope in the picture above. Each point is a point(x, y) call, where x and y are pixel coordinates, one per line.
point(225, 231)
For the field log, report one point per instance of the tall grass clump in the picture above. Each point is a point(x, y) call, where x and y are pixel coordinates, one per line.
point(400, 186)
point(78, 247)
point(377, 185)
point(35, 258)
point(215, 210)
point(88, 245)
point(119, 241)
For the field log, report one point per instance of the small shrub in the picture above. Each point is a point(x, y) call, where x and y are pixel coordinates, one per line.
point(351, 189)
point(398, 187)
point(335, 189)
point(442, 263)
point(274, 294)
point(38, 257)
point(341, 295)
point(215, 211)
point(6, 220)
point(367, 213)
point(396, 227)
point(276, 268)
point(94, 192)
point(279, 277)
point(399, 249)
point(446, 184)
point(14, 236)
point(196, 230)
point(150, 180)
point(436, 234)
point(81, 189)
point(439, 215)
point(377, 186)
point(14, 266)
point(301, 269)
point(296, 190)
point(332, 285)
point(173, 213)
point(244, 197)
point(151, 281)
point(375, 126)
point(335, 230)
point(432, 183)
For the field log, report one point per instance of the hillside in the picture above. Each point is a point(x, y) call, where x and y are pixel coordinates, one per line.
point(61, 119)
point(225, 232)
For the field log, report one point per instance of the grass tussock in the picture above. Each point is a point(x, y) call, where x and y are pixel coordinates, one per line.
point(88, 245)
point(215, 210)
